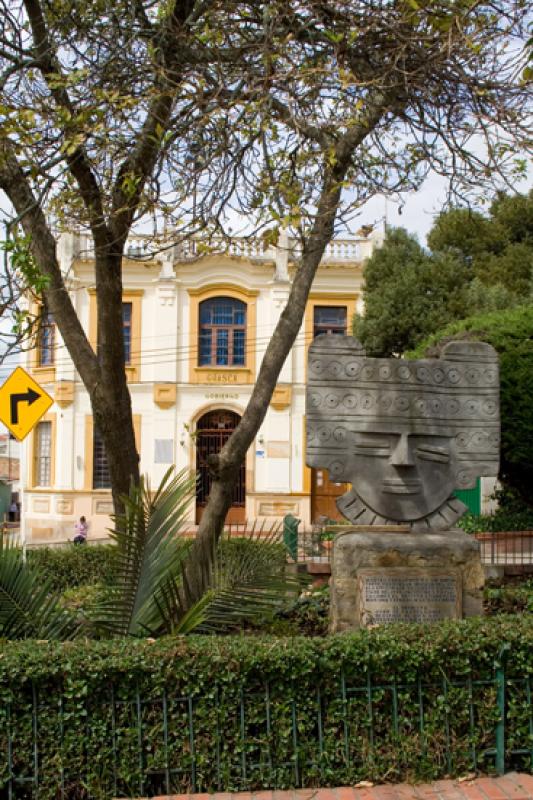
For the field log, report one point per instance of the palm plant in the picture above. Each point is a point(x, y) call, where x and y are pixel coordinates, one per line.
point(28, 606)
point(149, 556)
point(165, 584)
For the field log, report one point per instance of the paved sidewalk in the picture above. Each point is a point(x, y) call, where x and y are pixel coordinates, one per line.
point(513, 786)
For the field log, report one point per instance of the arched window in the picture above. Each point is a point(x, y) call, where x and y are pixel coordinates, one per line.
point(222, 337)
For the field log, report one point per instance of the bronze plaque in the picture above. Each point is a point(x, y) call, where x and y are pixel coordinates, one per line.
point(401, 594)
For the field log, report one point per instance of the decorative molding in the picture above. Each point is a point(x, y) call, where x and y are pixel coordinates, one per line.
point(40, 534)
point(222, 375)
point(63, 506)
point(42, 375)
point(281, 397)
point(64, 393)
point(214, 290)
point(41, 505)
point(165, 394)
point(277, 508)
point(279, 296)
point(166, 293)
point(103, 506)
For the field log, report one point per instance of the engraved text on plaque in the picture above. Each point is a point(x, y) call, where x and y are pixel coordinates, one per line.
point(399, 594)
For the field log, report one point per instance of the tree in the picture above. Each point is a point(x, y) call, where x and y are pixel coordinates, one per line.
point(509, 332)
point(295, 112)
point(475, 262)
point(408, 294)
point(498, 246)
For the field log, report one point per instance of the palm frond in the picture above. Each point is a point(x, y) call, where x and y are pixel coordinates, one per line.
point(149, 556)
point(163, 585)
point(28, 606)
point(247, 585)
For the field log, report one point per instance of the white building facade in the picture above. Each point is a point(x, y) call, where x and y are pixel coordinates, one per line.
point(197, 322)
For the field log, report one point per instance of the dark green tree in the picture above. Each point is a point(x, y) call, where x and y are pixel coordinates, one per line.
point(467, 233)
point(511, 334)
point(498, 246)
point(476, 263)
point(409, 294)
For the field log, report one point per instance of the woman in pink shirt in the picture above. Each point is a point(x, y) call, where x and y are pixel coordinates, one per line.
point(81, 529)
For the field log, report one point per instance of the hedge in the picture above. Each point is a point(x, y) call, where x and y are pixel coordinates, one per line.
point(74, 565)
point(130, 718)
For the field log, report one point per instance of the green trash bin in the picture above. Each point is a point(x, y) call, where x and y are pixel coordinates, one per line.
point(290, 535)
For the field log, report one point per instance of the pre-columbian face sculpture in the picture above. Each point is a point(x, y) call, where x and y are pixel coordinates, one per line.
point(405, 434)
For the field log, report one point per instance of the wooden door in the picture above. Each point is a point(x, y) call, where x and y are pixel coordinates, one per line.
point(212, 432)
point(324, 494)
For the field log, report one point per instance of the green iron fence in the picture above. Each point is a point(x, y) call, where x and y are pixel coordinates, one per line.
point(118, 742)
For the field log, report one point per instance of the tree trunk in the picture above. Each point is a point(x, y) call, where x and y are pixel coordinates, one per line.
point(111, 400)
point(104, 377)
point(225, 465)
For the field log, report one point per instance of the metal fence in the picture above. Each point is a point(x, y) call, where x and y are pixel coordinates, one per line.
point(119, 742)
point(314, 546)
point(506, 548)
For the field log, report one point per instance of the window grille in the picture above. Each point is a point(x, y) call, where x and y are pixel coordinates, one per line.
point(101, 477)
point(46, 339)
point(43, 454)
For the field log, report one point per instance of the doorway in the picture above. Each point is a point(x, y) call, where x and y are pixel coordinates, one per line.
point(212, 432)
point(324, 495)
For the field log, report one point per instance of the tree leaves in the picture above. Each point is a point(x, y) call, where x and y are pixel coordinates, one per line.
point(28, 607)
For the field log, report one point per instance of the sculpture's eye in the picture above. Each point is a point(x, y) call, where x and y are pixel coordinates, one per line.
point(379, 448)
point(429, 453)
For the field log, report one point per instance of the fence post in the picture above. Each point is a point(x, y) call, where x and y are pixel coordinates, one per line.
point(500, 700)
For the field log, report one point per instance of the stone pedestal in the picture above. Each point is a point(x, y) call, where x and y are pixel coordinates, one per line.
point(380, 577)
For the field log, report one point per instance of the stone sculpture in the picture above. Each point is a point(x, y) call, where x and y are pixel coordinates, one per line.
point(405, 434)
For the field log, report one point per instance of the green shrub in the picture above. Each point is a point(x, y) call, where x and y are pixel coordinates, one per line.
point(511, 515)
point(238, 550)
point(500, 521)
point(72, 566)
point(308, 616)
point(75, 565)
point(511, 334)
point(509, 598)
point(134, 718)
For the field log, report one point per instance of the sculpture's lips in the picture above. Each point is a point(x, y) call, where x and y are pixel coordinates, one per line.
point(401, 486)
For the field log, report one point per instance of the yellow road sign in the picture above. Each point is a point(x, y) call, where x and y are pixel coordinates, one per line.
point(22, 403)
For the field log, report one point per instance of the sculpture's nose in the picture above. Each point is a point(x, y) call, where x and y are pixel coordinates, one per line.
point(401, 455)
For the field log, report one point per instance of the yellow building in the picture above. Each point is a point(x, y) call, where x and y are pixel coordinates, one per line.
point(196, 324)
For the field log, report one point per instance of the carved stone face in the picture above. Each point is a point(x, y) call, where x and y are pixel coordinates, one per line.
point(403, 475)
point(405, 434)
